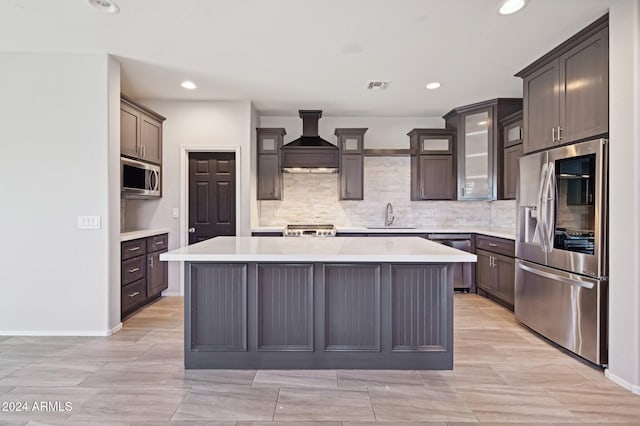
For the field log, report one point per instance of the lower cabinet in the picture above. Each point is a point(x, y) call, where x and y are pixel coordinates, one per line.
point(156, 274)
point(495, 269)
point(144, 277)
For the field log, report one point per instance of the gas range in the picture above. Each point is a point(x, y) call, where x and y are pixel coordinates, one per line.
point(310, 231)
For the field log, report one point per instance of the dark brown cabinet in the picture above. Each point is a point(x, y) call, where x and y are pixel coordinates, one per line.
point(144, 276)
point(433, 175)
point(140, 132)
point(512, 141)
point(566, 92)
point(351, 179)
point(156, 274)
point(151, 139)
point(479, 146)
point(269, 171)
point(495, 269)
point(129, 125)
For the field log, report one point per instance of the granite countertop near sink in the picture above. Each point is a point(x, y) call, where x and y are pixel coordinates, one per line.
point(142, 233)
point(507, 233)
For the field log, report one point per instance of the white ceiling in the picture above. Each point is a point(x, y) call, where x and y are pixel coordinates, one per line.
point(291, 54)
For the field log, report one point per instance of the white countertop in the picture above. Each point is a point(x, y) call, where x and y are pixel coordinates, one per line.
point(142, 233)
point(509, 234)
point(319, 249)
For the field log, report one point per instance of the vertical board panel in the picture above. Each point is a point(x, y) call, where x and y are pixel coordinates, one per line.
point(352, 307)
point(202, 202)
point(418, 307)
point(285, 307)
point(219, 307)
point(223, 190)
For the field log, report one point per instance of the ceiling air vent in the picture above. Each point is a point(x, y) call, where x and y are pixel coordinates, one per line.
point(377, 84)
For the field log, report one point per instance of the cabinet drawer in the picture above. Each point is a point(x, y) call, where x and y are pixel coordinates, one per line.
point(133, 248)
point(496, 245)
point(134, 269)
point(133, 295)
point(157, 243)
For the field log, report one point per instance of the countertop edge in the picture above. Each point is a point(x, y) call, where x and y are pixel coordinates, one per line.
point(142, 233)
point(318, 258)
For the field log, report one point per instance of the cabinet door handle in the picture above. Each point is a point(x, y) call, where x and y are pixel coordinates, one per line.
point(493, 245)
point(559, 134)
point(151, 261)
point(158, 243)
point(131, 271)
point(134, 249)
point(134, 294)
point(553, 134)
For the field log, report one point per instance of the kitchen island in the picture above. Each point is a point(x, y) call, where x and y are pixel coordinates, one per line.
point(275, 303)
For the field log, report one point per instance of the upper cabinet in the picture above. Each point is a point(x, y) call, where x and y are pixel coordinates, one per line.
point(432, 164)
point(479, 146)
point(140, 132)
point(512, 142)
point(351, 170)
point(269, 174)
point(566, 92)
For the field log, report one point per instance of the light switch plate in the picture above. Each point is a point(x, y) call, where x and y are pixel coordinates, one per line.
point(176, 212)
point(89, 222)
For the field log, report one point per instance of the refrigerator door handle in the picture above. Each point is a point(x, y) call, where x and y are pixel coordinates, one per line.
point(540, 208)
point(566, 280)
point(550, 217)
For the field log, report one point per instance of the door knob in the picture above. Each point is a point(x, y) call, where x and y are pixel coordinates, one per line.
point(192, 230)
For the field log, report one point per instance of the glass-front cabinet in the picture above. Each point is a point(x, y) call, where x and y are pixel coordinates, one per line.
point(476, 155)
point(479, 146)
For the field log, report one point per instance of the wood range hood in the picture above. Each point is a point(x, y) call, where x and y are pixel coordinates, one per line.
point(310, 153)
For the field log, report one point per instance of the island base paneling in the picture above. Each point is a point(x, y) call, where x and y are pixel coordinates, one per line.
point(319, 316)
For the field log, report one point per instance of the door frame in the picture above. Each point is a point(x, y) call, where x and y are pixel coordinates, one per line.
point(185, 150)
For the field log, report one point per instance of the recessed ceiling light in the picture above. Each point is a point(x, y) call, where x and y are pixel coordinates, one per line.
point(189, 85)
point(433, 85)
point(511, 6)
point(106, 6)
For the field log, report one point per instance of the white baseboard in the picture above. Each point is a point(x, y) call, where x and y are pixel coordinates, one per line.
point(115, 329)
point(171, 293)
point(622, 382)
point(65, 333)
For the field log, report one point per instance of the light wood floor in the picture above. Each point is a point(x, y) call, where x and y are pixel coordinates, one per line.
point(503, 374)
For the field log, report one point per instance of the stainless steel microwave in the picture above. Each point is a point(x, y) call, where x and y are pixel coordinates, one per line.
point(139, 179)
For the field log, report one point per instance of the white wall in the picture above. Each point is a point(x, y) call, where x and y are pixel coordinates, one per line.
point(194, 124)
point(624, 199)
point(383, 133)
point(113, 161)
point(54, 128)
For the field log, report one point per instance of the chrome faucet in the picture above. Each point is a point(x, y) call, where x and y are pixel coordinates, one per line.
point(389, 218)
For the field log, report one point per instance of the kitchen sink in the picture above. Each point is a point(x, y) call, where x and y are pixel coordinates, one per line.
point(391, 227)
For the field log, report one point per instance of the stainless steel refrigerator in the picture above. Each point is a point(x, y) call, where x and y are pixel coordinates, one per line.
point(561, 246)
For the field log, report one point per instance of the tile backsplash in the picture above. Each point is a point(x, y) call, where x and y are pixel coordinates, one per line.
point(313, 198)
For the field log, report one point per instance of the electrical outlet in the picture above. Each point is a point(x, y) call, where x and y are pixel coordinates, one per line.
point(176, 212)
point(89, 222)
